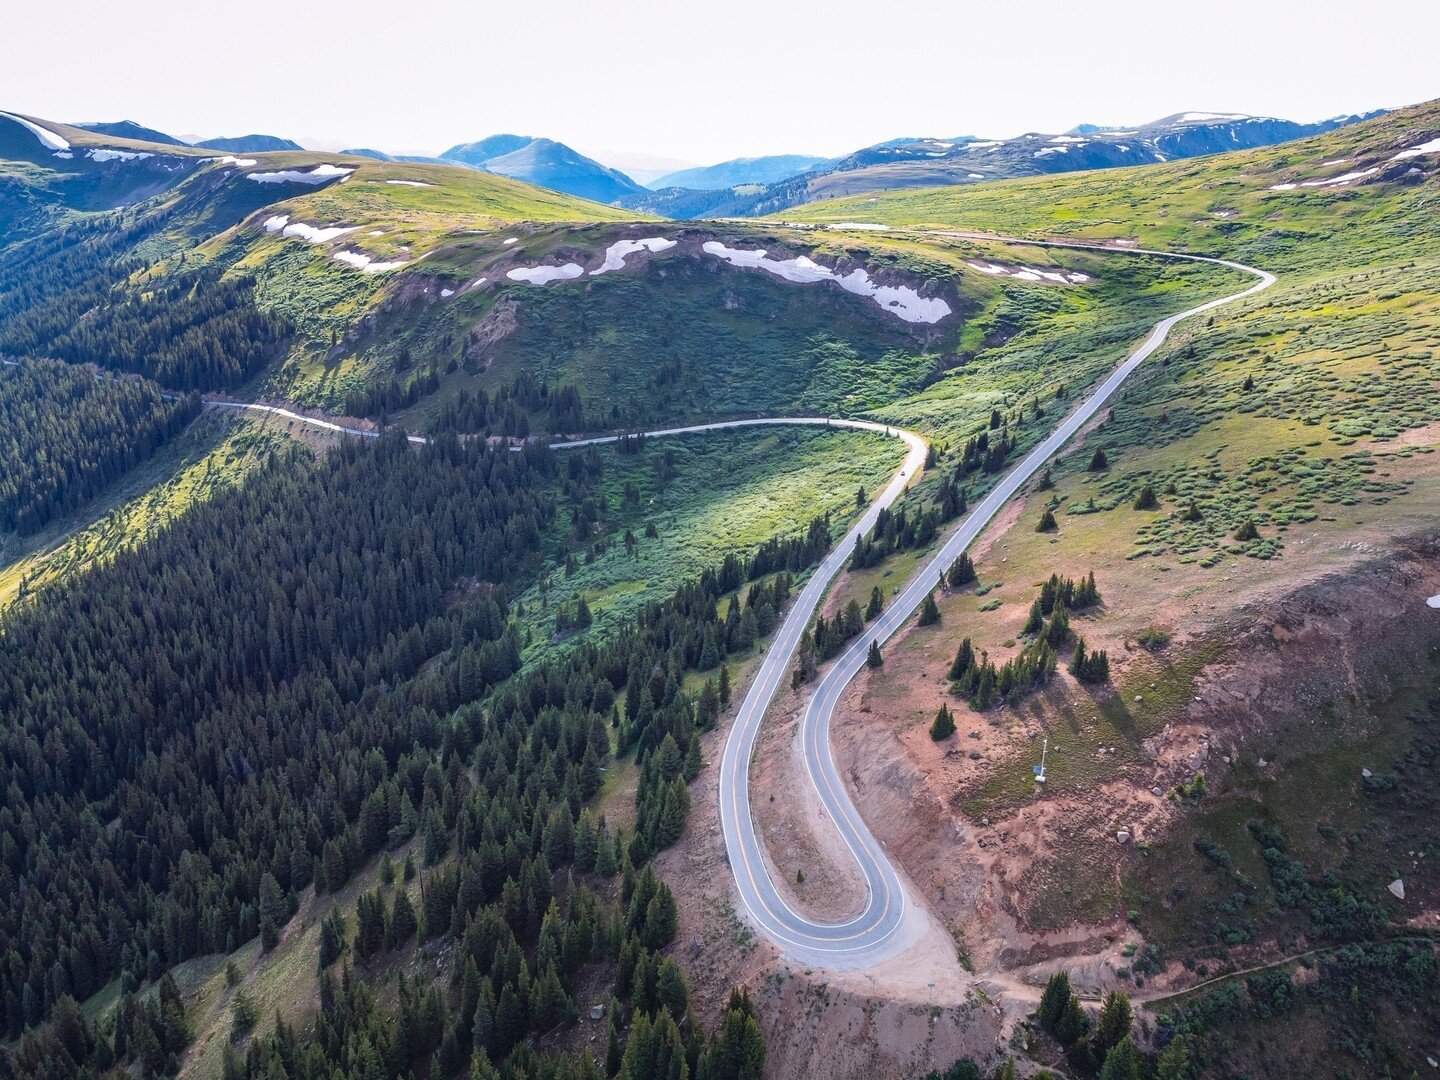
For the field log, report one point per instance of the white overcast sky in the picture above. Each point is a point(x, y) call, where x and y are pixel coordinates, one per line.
point(701, 82)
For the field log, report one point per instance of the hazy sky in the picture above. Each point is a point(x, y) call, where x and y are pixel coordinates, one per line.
point(701, 82)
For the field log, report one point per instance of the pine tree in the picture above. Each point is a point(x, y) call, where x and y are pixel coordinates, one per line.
point(1059, 628)
point(1047, 522)
point(944, 725)
point(482, 1028)
point(1098, 462)
point(370, 924)
point(403, 924)
point(332, 937)
point(614, 1054)
point(964, 663)
point(1053, 1000)
point(274, 911)
point(1047, 481)
point(1073, 1022)
point(1174, 1061)
point(1035, 620)
point(436, 841)
point(929, 612)
point(876, 604)
point(552, 1006)
point(606, 863)
point(961, 572)
point(243, 1015)
point(1123, 1062)
point(737, 1051)
point(874, 659)
point(1247, 531)
point(1146, 500)
point(662, 919)
point(724, 686)
point(1114, 1023)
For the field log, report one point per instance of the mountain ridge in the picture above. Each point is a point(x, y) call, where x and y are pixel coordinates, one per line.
point(913, 162)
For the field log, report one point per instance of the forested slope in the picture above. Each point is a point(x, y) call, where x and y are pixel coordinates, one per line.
point(263, 699)
point(65, 433)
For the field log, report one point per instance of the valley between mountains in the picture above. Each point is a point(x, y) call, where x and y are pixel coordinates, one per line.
point(450, 624)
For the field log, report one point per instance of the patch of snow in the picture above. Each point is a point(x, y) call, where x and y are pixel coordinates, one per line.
point(543, 275)
point(901, 301)
point(1029, 273)
point(1122, 148)
point(512, 240)
point(616, 253)
point(238, 162)
point(116, 155)
point(1283, 187)
point(1052, 150)
point(1431, 147)
point(1340, 181)
point(447, 292)
point(409, 183)
point(365, 263)
point(1337, 161)
point(478, 283)
point(981, 145)
point(320, 174)
point(975, 176)
point(1397, 888)
point(376, 232)
point(66, 154)
point(48, 139)
point(1434, 601)
point(1069, 139)
point(311, 234)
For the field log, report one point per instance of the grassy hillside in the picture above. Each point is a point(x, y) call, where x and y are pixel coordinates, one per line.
point(1267, 486)
point(705, 496)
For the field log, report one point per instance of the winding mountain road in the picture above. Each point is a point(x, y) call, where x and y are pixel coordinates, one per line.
point(881, 930)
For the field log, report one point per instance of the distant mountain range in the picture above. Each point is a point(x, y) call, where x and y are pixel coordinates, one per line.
point(966, 159)
point(739, 172)
point(547, 163)
point(763, 185)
